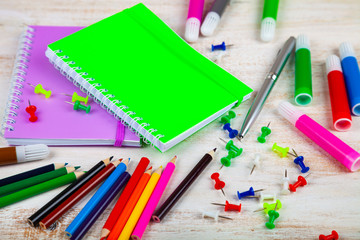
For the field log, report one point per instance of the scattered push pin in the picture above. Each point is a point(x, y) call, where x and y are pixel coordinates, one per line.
point(333, 236)
point(226, 161)
point(299, 160)
point(232, 132)
point(214, 215)
point(273, 215)
point(78, 105)
point(75, 97)
point(267, 197)
point(229, 207)
point(231, 146)
point(31, 109)
point(248, 193)
point(267, 207)
point(39, 89)
point(221, 47)
point(283, 152)
point(285, 187)
point(219, 185)
point(227, 118)
point(300, 183)
point(265, 131)
point(256, 162)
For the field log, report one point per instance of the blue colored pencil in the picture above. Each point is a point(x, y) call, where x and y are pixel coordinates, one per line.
point(100, 207)
point(120, 169)
point(31, 173)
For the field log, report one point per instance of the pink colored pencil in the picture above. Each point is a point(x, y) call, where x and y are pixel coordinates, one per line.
point(154, 200)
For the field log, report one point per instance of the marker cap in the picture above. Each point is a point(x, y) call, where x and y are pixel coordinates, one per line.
point(211, 21)
point(268, 26)
point(192, 28)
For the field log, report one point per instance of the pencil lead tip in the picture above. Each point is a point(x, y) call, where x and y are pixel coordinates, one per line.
point(65, 164)
point(214, 149)
point(111, 158)
point(77, 167)
point(150, 168)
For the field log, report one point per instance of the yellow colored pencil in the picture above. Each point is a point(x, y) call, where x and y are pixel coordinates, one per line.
point(140, 205)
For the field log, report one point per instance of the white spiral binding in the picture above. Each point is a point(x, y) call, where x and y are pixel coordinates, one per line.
point(108, 101)
point(17, 78)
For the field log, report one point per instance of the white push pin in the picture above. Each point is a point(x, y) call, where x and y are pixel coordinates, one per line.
point(285, 188)
point(214, 215)
point(267, 196)
point(256, 162)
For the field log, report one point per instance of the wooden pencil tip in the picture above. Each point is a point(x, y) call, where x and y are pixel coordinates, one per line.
point(173, 160)
point(111, 158)
point(214, 149)
point(65, 164)
point(104, 233)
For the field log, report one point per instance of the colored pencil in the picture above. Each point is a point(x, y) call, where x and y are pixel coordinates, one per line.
point(39, 188)
point(101, 206)
point(120, 223)
point(140, 205)
point(16, 186)
point(184, 185)
point(34, 219)
point(31, 173)
point(65, 206)
point(124, 197)
point(154, 200)
point(120, 169)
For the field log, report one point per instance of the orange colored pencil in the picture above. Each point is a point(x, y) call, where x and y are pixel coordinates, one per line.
point(120, 223)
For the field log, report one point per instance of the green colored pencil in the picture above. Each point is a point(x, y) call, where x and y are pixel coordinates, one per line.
point(39, 188)
point(16, 186)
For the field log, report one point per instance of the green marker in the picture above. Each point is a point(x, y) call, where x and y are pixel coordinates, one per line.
point(39, 188)
point(268, 22)
point(303, 80)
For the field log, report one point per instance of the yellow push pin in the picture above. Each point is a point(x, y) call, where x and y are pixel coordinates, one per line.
point(76, 97)
point(39, 89)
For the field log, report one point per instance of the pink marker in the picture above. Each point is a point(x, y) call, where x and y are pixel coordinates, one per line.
point(153, 201)
point(322, 137)
point(193, 21)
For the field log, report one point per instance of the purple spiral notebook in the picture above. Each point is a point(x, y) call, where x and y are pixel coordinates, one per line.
point(58, 123)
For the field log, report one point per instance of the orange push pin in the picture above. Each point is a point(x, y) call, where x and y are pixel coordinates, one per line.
point(39, 89)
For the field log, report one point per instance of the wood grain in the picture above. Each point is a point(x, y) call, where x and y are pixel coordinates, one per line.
point(330, 201)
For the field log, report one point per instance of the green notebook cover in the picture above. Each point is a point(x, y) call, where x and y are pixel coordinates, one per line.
point(134, 65)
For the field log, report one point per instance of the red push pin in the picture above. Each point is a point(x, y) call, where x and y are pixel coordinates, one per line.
point(333, 236)
point(219, 185)
point(229, 207)
point(31, 109)
point(300, 183)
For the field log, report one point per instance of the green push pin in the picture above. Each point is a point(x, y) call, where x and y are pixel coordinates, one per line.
point(226, 119)
point(78, 105)
point(265, 131)
point(281, 151)
point(231, 146)
point(273, 215)
point(226, 161)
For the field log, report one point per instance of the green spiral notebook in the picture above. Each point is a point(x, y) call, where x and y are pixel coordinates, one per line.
point(144, 74)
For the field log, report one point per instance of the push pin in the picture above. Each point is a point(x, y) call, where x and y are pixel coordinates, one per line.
point(333, 236)
point(265, 131)
point(226, 161)
point(273, 215)
point(221, 46)
point(250, 192)
point(76, 97)
point(219, 185)
point(300, 183)
point(267, 197)
point(267, 207)
point(229, 207)
point(283, 152)
point(214, 215)
point(31, 109)
point(227, 118)
point(39, 89)
point(78, 105)
point(232, 132)
point(285, 187)
point(299, 160)
point(256, 162)
point(231, 146)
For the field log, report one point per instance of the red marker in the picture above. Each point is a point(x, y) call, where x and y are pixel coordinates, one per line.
point(31, 109)
point(338, 96)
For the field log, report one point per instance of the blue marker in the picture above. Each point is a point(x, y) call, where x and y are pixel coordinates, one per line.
point(351, 72)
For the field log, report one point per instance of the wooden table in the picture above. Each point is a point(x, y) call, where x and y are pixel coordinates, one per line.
point(330, 201)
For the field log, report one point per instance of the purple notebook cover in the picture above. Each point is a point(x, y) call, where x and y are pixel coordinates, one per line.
point(56, 119)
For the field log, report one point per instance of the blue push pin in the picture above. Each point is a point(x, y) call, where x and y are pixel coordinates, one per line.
point(232, 132)
point(299, 160)
point(221, 46)
point(248, 193)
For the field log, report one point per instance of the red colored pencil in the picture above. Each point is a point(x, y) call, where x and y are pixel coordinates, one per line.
point(119, 207)
point(78, 195)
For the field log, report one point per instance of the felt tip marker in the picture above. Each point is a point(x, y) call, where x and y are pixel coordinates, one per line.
point(213, 17)
point(268, 22)
point(193, 21)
